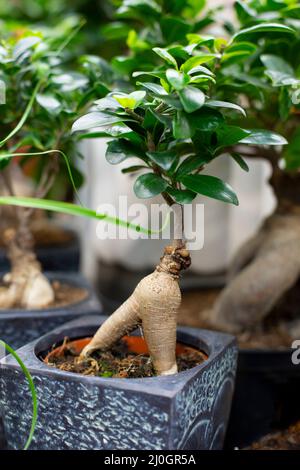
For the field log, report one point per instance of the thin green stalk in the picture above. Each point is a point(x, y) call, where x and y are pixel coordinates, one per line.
point(73, 209)
point(70, 37)
point(32, 390)
point(25, 115)
point(46, 152)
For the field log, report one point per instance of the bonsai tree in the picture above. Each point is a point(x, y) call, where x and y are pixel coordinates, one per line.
point(42, 98)
point(260, 67)
point(175, 127)
point(141, 25)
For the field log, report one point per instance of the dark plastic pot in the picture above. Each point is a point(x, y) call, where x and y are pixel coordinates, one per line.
point(64, 257)
point(18, 327)
point(188, 410)
point(266, 396)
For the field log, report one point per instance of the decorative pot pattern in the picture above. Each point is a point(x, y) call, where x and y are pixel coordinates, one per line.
point(185, 411)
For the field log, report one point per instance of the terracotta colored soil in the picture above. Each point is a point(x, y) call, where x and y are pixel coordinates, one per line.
point(65, 295)
point(119, 362)
point(289, 439)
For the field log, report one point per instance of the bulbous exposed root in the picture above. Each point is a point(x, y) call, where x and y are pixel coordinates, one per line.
point(253, 293)
point(25, 285)
point(154, 305)
point(245, 254)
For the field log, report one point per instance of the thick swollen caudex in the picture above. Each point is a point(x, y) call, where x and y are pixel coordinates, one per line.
point(154, 306)
point(272, 271)
point(25, 286)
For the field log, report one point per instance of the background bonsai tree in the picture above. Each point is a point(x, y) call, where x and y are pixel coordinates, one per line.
point(42, 97)
point(260, 67)
point(141, 25)
point(175, 127)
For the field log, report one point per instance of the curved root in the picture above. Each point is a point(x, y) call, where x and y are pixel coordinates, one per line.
point(26, 286)
point(246, 254)
point(253, 293)
point(154, 305)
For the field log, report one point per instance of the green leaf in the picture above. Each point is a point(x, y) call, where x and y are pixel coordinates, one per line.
point(163, 159)
point(174, 29)
point(153, 88)
point(279, 71)
point(119, 150)
point(24, 45)
point(230, 135)
point(176, 79)
point(194, 162)
point(131, 101)
point(48, 102)
point(181, 127)
point(134, 169)
point(32, 389)
point(263, 28)
point(205, 119)
point(24, 115)
point(149, 185)
point(240, 161)
point(191, 98)
point(96, 119)
point(164, 54)
point(69, 209)
point(211, 187)
point(197, 60)
point(225, 104)
point(181, 196)
point(260, 137)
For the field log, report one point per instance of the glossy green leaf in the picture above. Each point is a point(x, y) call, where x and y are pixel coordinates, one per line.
point(96, 119)
point(211, 187)
point(163, 159)
point(177, 79)
point(181, 196)
point(240, 161)
point(261, 137)
point(225, 104)
point(131, 101)
point(191, 98)
point(48, 102)
point(181, 127)
point(190, 164)
point(263, 28)
point(197, 60)
point(230, 135)
point(164, 54)
point(121, 149)
point(149, 185)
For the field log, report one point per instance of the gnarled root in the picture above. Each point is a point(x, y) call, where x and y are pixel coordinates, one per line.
point(154, 305)
point(275, 268)
point(25, 285)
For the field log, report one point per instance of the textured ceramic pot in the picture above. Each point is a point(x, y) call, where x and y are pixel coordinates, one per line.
point(188, 410)
point(63, 257)
point(19, 327)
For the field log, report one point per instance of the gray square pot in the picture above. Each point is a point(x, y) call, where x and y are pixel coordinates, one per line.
point(188, 410)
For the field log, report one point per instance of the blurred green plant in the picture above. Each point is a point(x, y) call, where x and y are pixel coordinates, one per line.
point(44, 90)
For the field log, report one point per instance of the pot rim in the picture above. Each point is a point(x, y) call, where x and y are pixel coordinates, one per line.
point(168, 386)
point(73, 279)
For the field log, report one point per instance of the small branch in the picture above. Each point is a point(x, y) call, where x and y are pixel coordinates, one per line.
point(136, 116)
